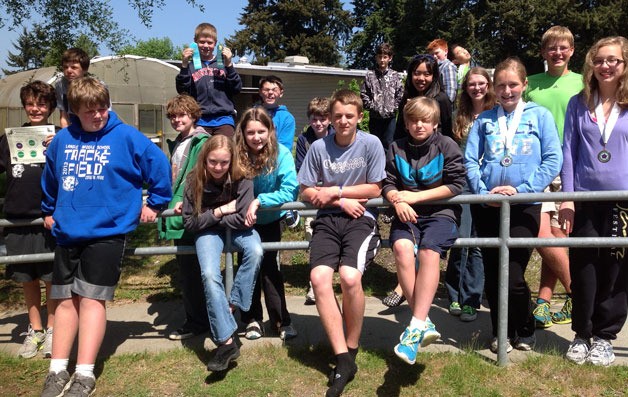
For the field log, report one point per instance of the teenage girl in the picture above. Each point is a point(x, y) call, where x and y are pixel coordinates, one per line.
point(464, 278)
point(512, 148)
point(217, 197)
point(271, 167)
point(596, 153)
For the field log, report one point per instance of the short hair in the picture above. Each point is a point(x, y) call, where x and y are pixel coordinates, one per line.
point(557, 33)
point(87, 91)
point(183, 104)
point(422, 108)
point(318, 106)
point(591, 85)
point(77, 55)
point(205, 30)
point(346, 97)
point(271, 79)
point(384, 49)
point(39, 91)
point(511, 63)
point(437, 43)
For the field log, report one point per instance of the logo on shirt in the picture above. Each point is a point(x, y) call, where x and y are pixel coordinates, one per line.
point(69, 183)
point(341, 167)
point(85, 162)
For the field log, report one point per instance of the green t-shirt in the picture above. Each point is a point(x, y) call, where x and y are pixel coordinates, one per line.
point(554, 93)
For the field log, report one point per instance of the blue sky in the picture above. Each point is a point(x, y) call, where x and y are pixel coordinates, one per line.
point(176, 20)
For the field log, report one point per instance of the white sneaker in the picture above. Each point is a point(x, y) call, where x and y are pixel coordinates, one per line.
point(46, 347)
point(525, 343)
point(578, 351)
point(601, 352)
point(495, 346)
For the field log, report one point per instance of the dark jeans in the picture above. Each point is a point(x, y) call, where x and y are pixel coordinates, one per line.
point(192, 290)
point(384, 129)
point(271, 281)
point(524, 222)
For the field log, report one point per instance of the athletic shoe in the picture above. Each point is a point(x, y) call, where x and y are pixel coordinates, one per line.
point(292, 218)
point(408, 348)
point(495, 347)
point(287, 332)
point(223, 356)
point(310, 298)
point(393, 299)
point(469, 313)
point(339, 380)
point(455, 309)
point(56, 384)
point(542, 315)
point(254, 331)
point(430, 335)
point(564, 315)
point(525, 343)
point(181, 334)
point(601, 352)
point(46, 347)
point(32, 343)
point(578, 351)
point(81, 386)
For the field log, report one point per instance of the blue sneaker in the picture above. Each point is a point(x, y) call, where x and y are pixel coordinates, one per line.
point(430, 335)
point(408, 348)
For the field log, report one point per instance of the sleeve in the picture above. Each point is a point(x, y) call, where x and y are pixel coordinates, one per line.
point(392, 174)
point(309, 173)
point(234, 82)
point(453, 171)
point(445, 116)
point(286, 130)
point(5, 154)
point(450, 82)
point(551, 156)
point(571, 143)
point(472, 155)
point(49, 182)
point(398, 90)
point(301, 151)
point(59, 94)
point(288, 188)
point(192, 223)
point(365, 92)
point(376, 161)
point(156, 173)
point(183, 82)
point(244, 197)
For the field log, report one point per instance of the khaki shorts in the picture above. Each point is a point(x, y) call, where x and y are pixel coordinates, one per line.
point(552, 207)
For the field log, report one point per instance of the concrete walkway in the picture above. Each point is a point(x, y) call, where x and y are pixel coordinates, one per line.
point(144, 326)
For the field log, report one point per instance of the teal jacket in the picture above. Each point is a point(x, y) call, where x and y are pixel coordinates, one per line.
point(172, 227)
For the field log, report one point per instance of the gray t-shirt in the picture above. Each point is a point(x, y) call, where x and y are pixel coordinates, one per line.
point(327, 164)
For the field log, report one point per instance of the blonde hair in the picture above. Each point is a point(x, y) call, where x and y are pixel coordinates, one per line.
point(464, 113)
point(205, 30)
point(266, 159)
point(198, 177)
point(89, 92)
point(556, 33)
point(514, 64)
point(183, 104)
point(318, 106)
point(346, 97)
point(590, 82)
point(422, 108)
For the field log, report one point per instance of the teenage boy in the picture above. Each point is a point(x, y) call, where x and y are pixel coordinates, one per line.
point(270, 91)
point(92, 197)
point(212, 86)
point(423, 167)
point(339, 174)
point(381, 94)
point(448, 71)
point(462, 60)
point(23, 201)
point(552, 90)
point(183, 112)
point(74, 64)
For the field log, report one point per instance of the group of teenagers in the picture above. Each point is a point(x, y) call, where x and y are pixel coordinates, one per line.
point(222, 175)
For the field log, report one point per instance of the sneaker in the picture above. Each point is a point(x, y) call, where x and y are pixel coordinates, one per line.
point(564, 315)
point(495, 347)
point(32, 343)
point(292, 218)
point(254, 331)
point(455, 309)
point(601, 352)
point(223, 356)
point(542, 315)
point(393, 299)
point(287, 332)
point(578, 351)
point(81, 386)
point(181, 334)
point(469, 313)
point(408, 348)
point(56, 384)
point(525, 343)
point(430, 334)
point(46, 347)
point(340, 379)
point(310, 298)
point(387, 219)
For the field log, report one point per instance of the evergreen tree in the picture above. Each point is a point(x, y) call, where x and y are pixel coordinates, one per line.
point(30, 51)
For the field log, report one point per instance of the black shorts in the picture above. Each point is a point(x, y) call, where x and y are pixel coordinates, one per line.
point(24, 240)
point(90, 269)
point(338, 239)
point(436, 233)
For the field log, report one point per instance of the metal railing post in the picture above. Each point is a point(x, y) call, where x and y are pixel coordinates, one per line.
point(502, 305)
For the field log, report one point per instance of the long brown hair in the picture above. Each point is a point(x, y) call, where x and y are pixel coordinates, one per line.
point(590, 82)
point(199, 176)
point(266, 159)
point(464, 113)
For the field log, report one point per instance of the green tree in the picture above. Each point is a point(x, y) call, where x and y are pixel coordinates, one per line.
point(275, 29)
point(153, 48)
point(30, 49)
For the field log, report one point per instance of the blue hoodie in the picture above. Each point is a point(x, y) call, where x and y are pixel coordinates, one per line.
point(536, 152)
point(285, 125)
point(92, 182)
point(276, 188)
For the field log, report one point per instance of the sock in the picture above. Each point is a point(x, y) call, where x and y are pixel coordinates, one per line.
point(353, 352)
point(539, 301)
point(59, 364)
point(85, 370)
point(416, 323)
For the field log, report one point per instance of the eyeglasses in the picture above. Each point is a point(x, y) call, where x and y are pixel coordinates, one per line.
point(478, 85)
point(611, 62)
point(557, 49)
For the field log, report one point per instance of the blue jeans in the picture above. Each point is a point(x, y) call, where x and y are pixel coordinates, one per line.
point(209, 246)
point(464, 277)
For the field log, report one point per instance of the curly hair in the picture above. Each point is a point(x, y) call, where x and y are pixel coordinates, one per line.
point(464, 114)
point(39, 91)
point(590, 82)
point(266, 160)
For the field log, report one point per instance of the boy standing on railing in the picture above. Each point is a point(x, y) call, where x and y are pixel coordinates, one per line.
point(92, 197)
point(339, 174)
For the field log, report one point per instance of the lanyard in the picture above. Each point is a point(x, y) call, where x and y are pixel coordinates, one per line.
point(605, 126)
point(510, 131)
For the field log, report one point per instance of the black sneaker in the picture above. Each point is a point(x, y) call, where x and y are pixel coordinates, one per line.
point(292, 218)
point(223, 356)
